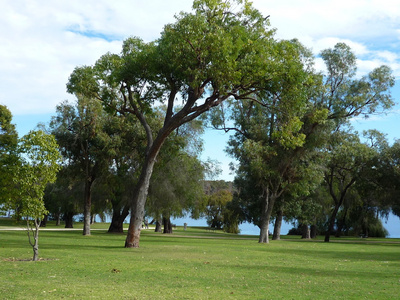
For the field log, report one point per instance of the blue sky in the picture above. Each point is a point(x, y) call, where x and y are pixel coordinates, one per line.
point(42, 41)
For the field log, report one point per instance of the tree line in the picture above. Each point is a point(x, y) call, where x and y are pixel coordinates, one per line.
point(130, 143)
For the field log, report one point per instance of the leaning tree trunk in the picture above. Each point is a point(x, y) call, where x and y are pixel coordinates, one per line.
point(167, 225)
point(117, 221)
point(138, 203)
point(278, 226)
point(87, 207)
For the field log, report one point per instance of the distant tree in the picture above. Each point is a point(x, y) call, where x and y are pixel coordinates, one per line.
point(84, 144)
point(176, 187)
point(216, 205)
point(347, 160)
point(8, 155)
point(38, 166)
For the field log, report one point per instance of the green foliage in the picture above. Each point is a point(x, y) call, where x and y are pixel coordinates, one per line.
point(8, 155)
point(220, 213)
point(39, 164)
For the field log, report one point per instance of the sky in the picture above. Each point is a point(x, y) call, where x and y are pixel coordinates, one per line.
point(42, 41)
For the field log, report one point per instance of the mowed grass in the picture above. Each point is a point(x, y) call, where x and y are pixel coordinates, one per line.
point(196, 264)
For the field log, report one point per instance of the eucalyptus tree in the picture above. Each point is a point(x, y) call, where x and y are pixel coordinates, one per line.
point(221, 50)
point(8, 154)
point(392, 179)
point(348, 159)
point(86, 148)
point(270, 131)
point(271, 145)
point(63, 197)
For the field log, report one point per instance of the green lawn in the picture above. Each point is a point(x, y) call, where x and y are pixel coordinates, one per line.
point(196, 264)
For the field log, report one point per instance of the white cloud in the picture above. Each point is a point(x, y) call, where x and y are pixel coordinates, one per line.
point(40, 45)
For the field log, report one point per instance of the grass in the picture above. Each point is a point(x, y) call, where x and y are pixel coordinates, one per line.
point(196, 264)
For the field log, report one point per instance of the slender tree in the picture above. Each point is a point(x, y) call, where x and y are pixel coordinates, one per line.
point(38, 166)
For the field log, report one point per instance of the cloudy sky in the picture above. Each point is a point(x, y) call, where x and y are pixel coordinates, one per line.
point(41, 42)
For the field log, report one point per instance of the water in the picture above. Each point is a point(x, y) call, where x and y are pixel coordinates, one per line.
point(245, 228)
point(392, 224)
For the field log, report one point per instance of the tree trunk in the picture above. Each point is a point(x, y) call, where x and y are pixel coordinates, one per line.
point(43, 223)
point(277, 226)
point(341, 223)
point(266, 212)
point(35, 233)
point(167, 225)
point(117, 221)
point(305, 231)
point(87, 207)
point(138, 203)
point(332, 222)
point(58, 219)
point(36, 243)
point(69, 221)
point(313, 231)
point(158, 227)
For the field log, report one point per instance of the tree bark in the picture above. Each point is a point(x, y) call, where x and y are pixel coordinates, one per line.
point(117, 221)
point(332, 222)
point(36, 243)
point(35, 233)
point(167, 225)
point(158, 227)
point(139, 201)
point(266, 212)
point(87, 207)
point(58, 219)
point(313, 231)
point(69, 221)
point(277, 226)
point(305, 231)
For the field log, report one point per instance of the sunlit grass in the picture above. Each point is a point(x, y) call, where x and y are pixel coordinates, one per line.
point(196, 264)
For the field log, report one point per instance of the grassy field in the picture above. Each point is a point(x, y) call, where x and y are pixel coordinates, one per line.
point(195, 264)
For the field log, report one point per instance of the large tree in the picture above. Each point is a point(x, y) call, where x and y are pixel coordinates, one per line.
point(223, 49)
